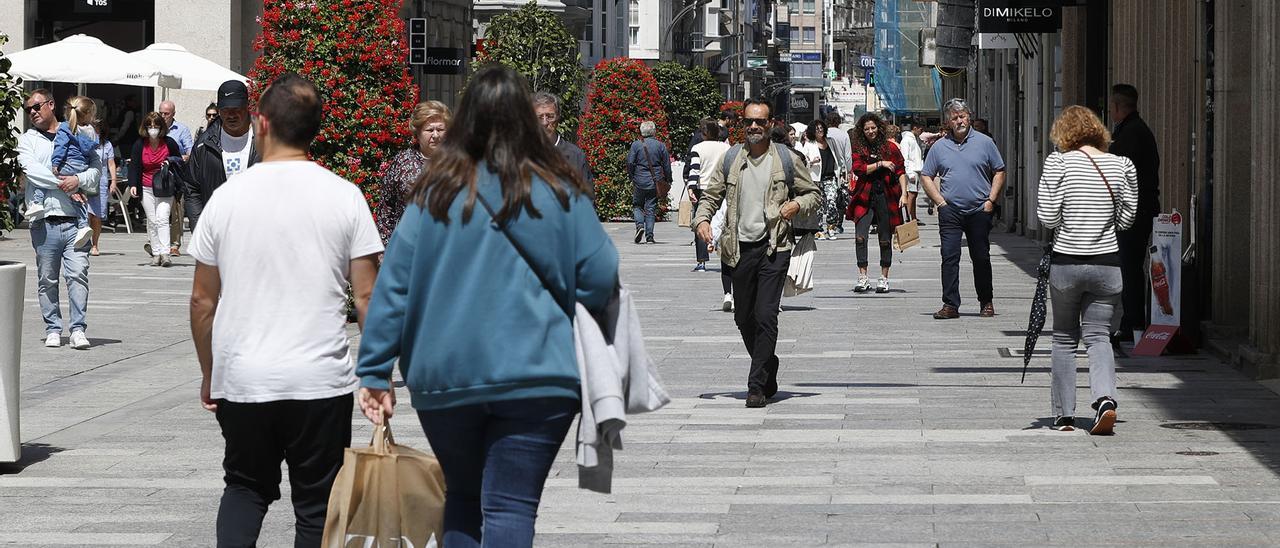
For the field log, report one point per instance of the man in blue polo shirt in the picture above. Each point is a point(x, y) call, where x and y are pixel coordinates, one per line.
point(964, 175)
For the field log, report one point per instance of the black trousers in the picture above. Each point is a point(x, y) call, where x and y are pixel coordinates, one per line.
point(757, 292)
point(310, 435)
point(1133, 259)
point(976, 229)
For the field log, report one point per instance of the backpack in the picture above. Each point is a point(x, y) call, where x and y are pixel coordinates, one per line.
point(801, 222)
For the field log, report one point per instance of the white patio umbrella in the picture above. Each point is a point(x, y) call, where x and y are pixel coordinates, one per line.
point(83, 59)
point(195, 71)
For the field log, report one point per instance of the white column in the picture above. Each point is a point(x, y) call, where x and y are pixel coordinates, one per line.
point(13, 278)
point(212, 30)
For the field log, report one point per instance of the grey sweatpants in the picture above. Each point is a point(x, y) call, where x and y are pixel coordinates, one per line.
point(1084, 298)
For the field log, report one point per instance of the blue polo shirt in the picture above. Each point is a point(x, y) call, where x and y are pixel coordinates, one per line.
point(964, 169)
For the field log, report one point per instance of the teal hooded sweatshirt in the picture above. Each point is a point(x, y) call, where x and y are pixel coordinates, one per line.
point(465, 315)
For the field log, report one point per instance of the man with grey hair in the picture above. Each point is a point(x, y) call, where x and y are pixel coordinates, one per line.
point(649, 167)
point(182, 135)
point(964, 175)
point(547, 108)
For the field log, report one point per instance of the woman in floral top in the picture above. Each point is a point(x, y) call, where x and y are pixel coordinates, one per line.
point(430, 122)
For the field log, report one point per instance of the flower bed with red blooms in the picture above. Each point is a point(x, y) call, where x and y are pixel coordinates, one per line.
point(623, 94)
point(354, 52)
point(736, 133)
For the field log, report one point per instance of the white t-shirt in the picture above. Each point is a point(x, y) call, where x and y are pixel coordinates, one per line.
point(235, 153)
point(283, 235)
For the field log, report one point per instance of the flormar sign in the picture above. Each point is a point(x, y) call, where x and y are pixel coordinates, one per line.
point(1019, 16)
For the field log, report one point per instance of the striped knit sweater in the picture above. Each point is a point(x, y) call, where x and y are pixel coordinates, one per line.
point(1074, 200)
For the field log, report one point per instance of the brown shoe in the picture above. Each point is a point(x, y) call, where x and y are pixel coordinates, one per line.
point(947, 312)
point(988, 310)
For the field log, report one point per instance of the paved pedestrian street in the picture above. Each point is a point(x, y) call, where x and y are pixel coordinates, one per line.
point(891, 428)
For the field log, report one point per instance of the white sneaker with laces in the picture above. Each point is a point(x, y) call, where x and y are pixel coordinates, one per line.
point(882, 286)
point(84, 237)
point(53, 340)
point(864, 285)
point(727, 305)
point(79, 341)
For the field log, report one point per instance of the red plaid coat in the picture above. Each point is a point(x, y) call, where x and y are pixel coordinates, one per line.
point(860, 186)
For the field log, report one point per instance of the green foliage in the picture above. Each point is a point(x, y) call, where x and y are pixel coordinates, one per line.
point(623, 94)
point(688, 95)
point(10, 109)
point(535, 43)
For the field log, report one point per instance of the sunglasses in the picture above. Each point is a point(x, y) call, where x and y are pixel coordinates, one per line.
point(210, 114)
point(37, 106)
point(748, 122)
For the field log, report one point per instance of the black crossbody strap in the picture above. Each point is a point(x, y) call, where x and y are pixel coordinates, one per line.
point(493, 216)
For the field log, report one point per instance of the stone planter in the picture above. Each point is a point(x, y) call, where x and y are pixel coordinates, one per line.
point(13, 279)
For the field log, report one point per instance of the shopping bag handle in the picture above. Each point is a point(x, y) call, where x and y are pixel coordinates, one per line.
point(906, 214)
point(383, 440)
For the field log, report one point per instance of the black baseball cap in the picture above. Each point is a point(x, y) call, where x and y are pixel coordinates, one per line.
point(233, 94)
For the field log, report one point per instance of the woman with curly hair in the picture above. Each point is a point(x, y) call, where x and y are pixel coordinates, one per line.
point(1087, 195)
point(430, 122)
point(879, 191)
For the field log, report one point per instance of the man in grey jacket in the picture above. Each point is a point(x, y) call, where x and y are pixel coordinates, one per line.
point(648, 165)
point(760, 200)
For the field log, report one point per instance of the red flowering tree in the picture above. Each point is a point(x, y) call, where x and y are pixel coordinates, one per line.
point(736, 133)
point(354, 52)
point(623, 93)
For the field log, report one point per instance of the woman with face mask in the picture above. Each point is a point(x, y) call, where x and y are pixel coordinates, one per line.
point(430, 123)
point(149, 153)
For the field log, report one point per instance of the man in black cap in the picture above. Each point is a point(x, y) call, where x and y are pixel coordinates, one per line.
point(223, 150)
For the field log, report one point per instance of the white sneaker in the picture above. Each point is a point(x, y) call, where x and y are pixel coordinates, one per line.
point(79, 341)
point(84, 237)
point(53, 340)
point(882, 286)
point(864, 285)
point(727, 305)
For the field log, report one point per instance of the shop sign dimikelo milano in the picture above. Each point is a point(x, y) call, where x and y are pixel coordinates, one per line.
point(1019, 16)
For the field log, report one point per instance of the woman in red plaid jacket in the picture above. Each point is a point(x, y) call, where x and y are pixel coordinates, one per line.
point(878, 191)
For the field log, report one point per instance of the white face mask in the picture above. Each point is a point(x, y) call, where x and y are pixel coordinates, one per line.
point(153, 133)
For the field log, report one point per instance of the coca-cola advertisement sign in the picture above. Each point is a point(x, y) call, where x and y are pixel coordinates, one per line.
point(1166, 270)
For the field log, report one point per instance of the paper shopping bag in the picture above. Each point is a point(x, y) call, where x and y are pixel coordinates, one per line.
point(800, 271)
point(906, 234)
point(686, 213)
point(386, 495)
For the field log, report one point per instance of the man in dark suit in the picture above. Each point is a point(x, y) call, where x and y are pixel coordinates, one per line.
point(1132, 139)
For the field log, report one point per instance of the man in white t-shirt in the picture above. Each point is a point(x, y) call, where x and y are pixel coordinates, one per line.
point(913, 162)
point(222, 151)
point(268, 319)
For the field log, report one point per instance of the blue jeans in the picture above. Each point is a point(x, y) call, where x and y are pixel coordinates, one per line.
point(495, 459)
point(976, 228)
point(53, 243)
point(644, 207)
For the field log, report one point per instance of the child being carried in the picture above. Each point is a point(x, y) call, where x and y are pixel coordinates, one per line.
point(74, 149)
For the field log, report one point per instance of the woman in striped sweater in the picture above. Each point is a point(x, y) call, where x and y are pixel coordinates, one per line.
point(1087, 195)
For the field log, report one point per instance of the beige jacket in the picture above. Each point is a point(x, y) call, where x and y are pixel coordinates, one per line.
point(718, 190)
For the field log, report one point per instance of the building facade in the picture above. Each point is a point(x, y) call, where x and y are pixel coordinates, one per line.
point(1206, 91)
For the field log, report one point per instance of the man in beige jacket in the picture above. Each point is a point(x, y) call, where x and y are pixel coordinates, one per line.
point(762, 192)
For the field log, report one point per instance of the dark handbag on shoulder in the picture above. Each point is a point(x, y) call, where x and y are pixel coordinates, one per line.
point(165, 183)
point(663, 185)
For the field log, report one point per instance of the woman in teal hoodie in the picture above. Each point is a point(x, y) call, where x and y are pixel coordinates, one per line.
point(484, 346)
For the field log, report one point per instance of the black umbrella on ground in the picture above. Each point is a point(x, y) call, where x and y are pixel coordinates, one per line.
point(1038, 309)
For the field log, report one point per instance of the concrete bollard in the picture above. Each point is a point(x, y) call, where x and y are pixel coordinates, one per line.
point(13, 279)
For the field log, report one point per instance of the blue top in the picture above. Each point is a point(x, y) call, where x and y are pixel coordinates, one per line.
point(464, 314)
point(965, 168)
point(182, 136)
point(644, 170)
point(72, 151)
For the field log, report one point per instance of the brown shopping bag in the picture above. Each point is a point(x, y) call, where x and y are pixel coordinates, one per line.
point(386, 495)
point(686, 213)
point(906, 234)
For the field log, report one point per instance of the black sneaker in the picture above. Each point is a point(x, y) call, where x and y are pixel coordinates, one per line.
point(650, 240)
point(639, 234)
point(1064, 424)
point(755, 400)
point(1105, 421)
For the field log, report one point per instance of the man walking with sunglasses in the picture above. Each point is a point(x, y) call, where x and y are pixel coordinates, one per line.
point(762, 192)
point(53, 223)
